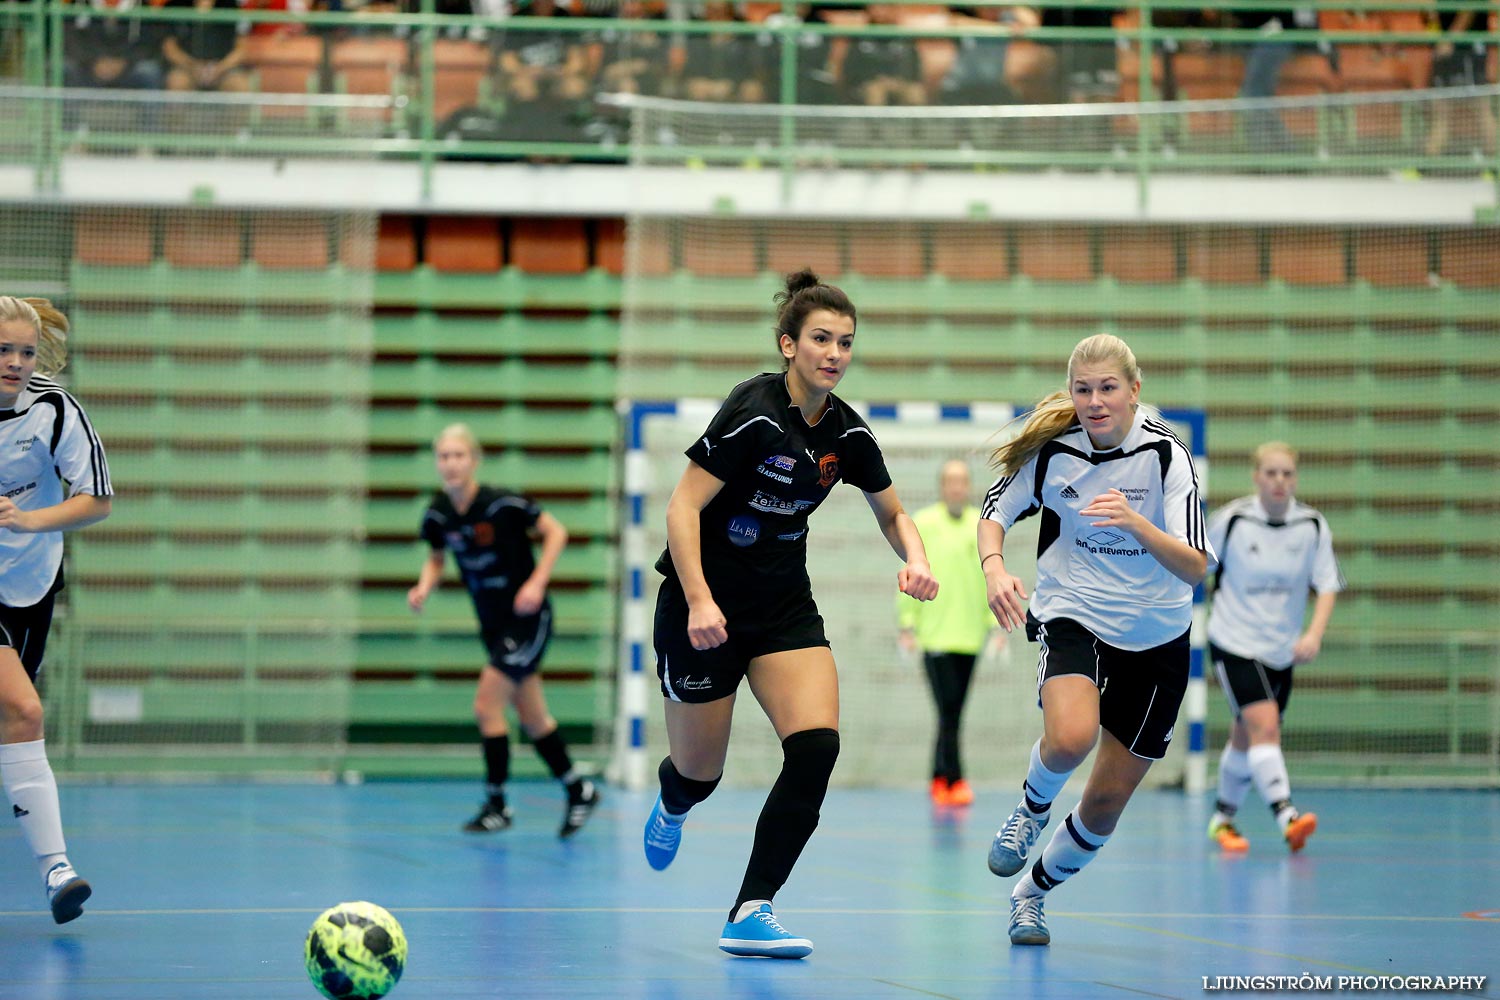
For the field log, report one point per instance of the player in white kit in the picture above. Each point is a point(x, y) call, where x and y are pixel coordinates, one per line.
point(1273, 552)
point(45, 438)
point(1121, 546)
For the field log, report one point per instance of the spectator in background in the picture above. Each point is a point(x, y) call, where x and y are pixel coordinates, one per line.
point(542, 64)
point(206, 55)
point(987, 68)
point(100, 50)
point(816, 55)
point(631, 62)
point(720, 66)
point(1459, 64)
point(1086, 69)
point(880, 72)
point(1264, 130)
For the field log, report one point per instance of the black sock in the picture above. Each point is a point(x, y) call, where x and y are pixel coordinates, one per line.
point(554, 751)
point(790, 814)
point(496, 768)
point(679, 794)
point(1225, 808)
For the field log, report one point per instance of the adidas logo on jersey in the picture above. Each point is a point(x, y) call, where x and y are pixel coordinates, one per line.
point(1068, 493)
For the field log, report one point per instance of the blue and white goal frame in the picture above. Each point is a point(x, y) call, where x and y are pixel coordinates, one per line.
point(638, 683)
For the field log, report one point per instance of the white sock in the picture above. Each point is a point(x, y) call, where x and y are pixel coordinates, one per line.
point(1234, 783)
point(1042, 785)
point(32, 791)
point(748, 907)
point(1072, 846)
point(1268, 768)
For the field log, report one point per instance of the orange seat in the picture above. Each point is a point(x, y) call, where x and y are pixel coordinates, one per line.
point(1139, 254)
point(1470, 258)
point(459, 67)
point(793, 246)
point(1391, 258)
point(1209, 76)
point(654, 252)
point(206, 238)
point(1308, 256)
point(886, 250)
point(1054, 253)
point(720, 248)
point(395, 244)
point(369, 66)
point(114, 238)
point(289, 241)
point(977, 251)
point(549, 246)
point(463, 244)
point(1220, 256)
point(285, 64)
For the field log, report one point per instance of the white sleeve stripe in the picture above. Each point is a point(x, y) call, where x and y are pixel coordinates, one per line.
point(857, 430)
point(747, 423)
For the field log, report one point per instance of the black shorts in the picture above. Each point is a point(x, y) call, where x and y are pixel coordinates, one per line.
point(1463, 67)
point(1246, 681)
point(1139, 690)
point(25, 630)
point(515, 644)
point(774, 625)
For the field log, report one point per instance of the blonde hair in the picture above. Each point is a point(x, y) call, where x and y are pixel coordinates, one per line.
point(1258, 456)
point(464, 434)
point(51, 328)
point(1054, 413)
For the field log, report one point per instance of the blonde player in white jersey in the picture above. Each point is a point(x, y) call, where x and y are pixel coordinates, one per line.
point(43, 434)
point(1273, 552)
point(1121, 546)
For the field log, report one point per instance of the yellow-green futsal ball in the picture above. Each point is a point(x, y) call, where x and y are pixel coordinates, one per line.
point(355, 951)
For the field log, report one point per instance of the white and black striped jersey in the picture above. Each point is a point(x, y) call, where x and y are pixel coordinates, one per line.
point(776, 470)
point(1266, 570)
point(1103, 578)
point(46, 439)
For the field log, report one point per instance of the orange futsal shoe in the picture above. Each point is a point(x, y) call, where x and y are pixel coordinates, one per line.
point(1299, 829)
point(960, 794)
point(940, 792)
point(1230, 840)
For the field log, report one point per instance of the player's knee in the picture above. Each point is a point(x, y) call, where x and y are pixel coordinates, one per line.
point(21, 718)
point(812, 754)
point(1068, 744)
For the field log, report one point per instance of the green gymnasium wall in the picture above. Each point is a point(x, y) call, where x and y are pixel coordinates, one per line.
point(1376, 352)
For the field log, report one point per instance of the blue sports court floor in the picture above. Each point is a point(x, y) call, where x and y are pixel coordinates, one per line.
point(207, 891)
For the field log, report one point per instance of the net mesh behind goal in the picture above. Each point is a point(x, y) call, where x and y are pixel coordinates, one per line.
point(1343, 304)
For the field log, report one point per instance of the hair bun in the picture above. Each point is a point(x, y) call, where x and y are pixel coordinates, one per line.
point(794, 282)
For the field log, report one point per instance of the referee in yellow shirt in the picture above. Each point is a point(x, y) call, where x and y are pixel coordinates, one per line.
point(951, 629)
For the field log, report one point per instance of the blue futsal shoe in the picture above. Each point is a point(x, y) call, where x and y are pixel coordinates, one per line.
point(760, 935)
point(663, 836)
point(1028, 924)
point(1013, 844)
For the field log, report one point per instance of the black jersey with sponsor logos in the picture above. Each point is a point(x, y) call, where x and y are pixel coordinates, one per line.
point(776, 471)
point(490, 541)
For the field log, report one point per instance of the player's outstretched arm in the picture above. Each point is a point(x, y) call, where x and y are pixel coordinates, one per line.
point(534, 591)
point(915, 578)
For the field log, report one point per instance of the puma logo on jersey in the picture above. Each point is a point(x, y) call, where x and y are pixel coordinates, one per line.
point(19, 812)
point(708, 446)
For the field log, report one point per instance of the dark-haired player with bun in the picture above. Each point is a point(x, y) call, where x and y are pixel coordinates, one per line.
point(736, 602)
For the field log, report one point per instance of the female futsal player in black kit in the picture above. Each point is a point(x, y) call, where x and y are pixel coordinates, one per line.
point(736, 602)
point(490, 531)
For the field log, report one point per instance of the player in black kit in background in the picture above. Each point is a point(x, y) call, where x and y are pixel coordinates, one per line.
point(737, 603)
point(490, 533)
